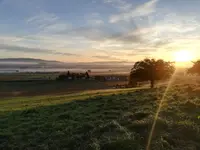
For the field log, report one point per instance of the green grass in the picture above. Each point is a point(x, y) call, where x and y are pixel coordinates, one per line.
point(28, 76)
point(33, 88)
point(102, 120)
point(21, 103)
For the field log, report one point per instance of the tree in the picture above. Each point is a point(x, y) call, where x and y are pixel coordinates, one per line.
point(150, 70)
point(61, 77)
point(68, 74)
point(87, 75)
point(195, 69)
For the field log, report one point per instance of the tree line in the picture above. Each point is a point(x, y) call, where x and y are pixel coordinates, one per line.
point(150, 70)
point(72, 76)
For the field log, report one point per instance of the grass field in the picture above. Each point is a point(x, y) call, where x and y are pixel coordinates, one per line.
point(23, 76)
point(28, 76)
point(46, 87)
point(103, 120)
point(34, 84)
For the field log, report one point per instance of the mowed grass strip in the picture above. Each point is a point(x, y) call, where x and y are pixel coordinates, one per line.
point(20, 103)
point(105, 120)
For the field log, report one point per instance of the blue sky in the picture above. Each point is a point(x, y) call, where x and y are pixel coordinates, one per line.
point(98, 30)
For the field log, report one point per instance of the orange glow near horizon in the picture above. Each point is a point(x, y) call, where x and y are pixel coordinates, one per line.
point(183, 57)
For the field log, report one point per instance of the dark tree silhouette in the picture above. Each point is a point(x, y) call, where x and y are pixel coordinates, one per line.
point(195, 69)
point(68, 74)
point(61, 77)
point(150, 70)
point(87, 75)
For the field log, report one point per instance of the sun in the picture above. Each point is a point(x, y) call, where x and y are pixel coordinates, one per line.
point(183, 56)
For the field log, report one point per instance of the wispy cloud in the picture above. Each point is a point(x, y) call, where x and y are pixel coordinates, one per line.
point(125, 29)
point(17, 48)
point(102, 34)
point(42, 19)
point(56, 28)
point(95, 22)
point(48, 23)
point(142, 10)
point(94, 19)
point(109, 58)
point(119, 4)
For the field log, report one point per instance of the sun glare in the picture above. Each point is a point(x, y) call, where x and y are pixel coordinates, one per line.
point(183, 57)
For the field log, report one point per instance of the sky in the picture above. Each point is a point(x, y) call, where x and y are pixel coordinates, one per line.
point(98, 30)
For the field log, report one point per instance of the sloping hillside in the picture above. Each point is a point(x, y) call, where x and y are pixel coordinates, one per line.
point(105, 120)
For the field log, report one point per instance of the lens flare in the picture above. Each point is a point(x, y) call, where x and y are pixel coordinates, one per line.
point(183, 56)
point(158, 110)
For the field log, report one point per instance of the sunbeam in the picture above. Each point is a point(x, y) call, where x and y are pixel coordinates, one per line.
point(159, 108)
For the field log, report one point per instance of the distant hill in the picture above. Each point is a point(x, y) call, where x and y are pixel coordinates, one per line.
point(29, 60)
point(6, 63)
